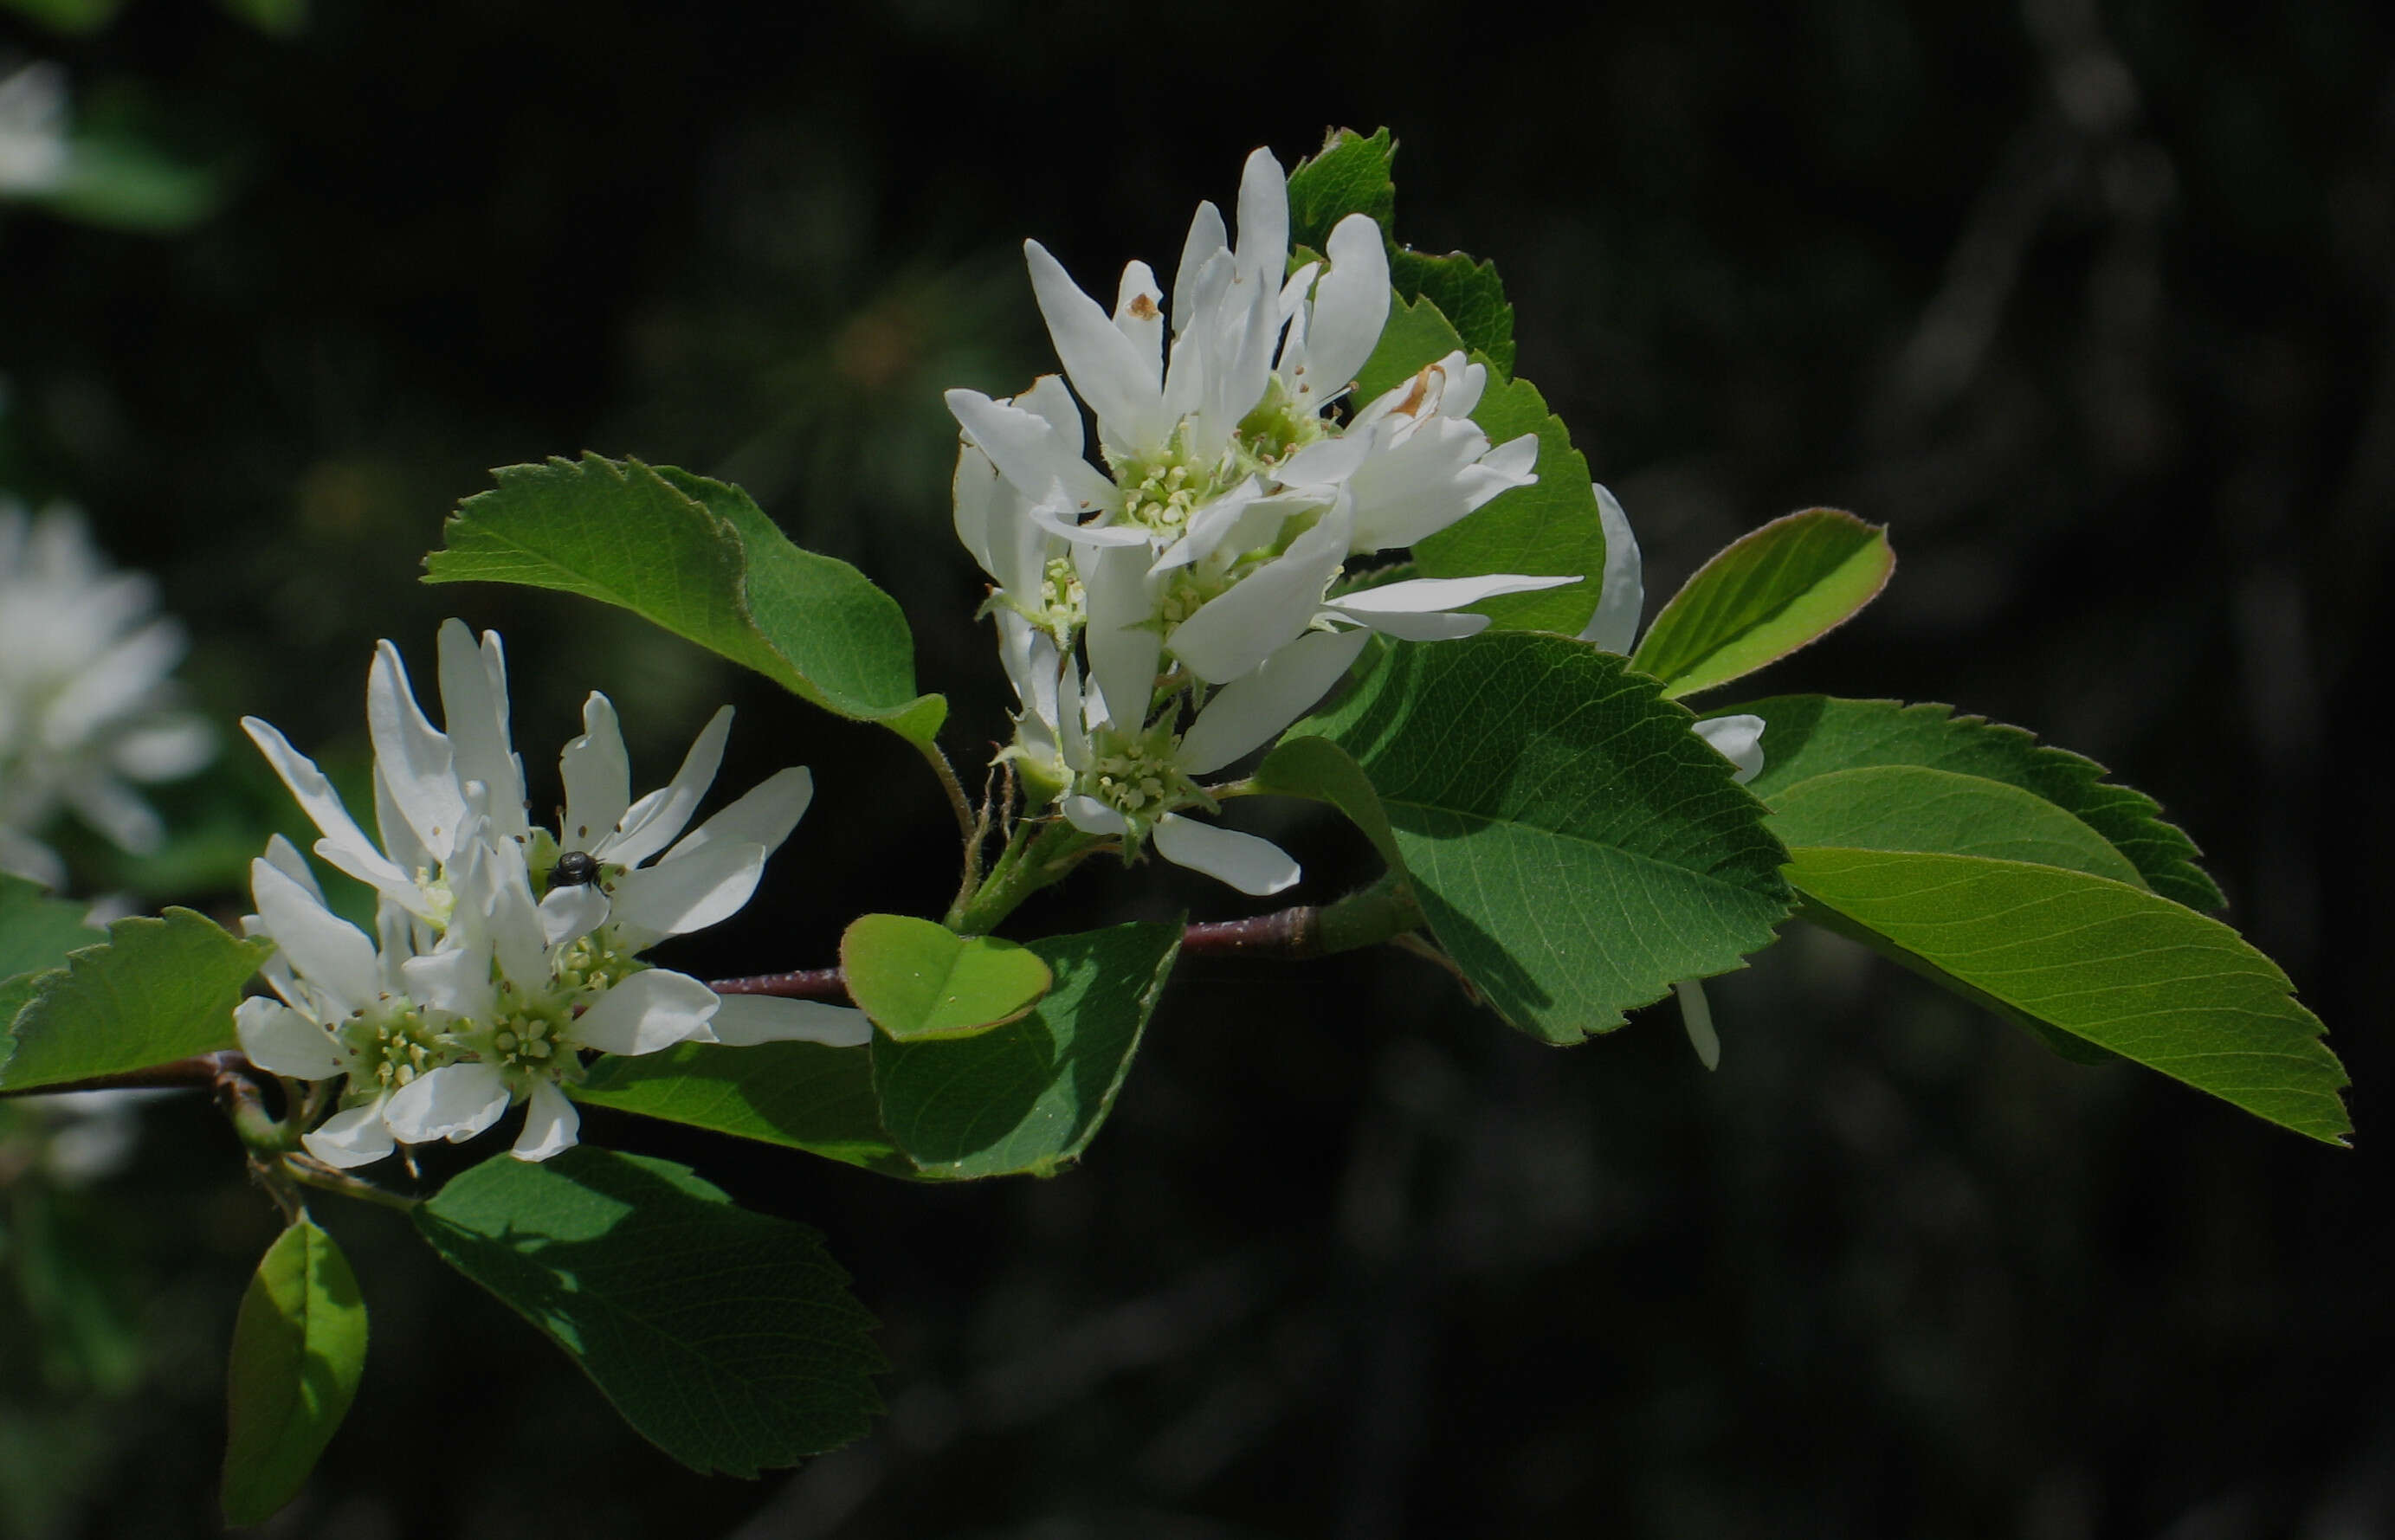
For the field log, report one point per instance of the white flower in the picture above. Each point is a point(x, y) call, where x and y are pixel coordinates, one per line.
point(85, 707)
point(507, 951)
point(33, 128)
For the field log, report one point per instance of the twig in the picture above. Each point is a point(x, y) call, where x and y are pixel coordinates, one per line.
point(806, 983)
point(1284, 933)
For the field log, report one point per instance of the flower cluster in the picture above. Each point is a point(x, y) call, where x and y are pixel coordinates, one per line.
point(85, 707)
point(503, 951)
point(1167, 614)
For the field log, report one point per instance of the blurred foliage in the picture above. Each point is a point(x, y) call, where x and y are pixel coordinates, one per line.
point(2090, 304)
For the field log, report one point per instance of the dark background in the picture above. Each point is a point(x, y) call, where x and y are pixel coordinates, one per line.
point(2090, 304)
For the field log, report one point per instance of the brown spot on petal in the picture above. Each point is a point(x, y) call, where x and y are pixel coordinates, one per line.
point(1143, 307)
point(1413, 403)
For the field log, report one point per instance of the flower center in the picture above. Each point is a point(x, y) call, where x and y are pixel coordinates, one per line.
point(525, 1044)
point(1136, 776)
point(396, 1047)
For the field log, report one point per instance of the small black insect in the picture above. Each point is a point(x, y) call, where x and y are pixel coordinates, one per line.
point(574, 869)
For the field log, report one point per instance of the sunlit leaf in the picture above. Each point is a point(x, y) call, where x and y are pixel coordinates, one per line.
point(1768, 593)
point(159, 989)
point(918, 979)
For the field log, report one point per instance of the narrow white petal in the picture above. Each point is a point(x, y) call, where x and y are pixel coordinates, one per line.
point(1029, 452)
point(1093, 816)
point(550, 1124)
point(455, 978)
point(1325, 464)
point(412, 754)
point(345, 845)
point(280, 1041)
point(1697, 1016)
point(1264, 221)
point(687, 892)
point(1246, 712)
point(518, 936)
point(1266, 611)
point(744, 1021)
point(284, 857)
point(1419, 594)
point(1053, 403)
point(1104, 363)
point(358, 1137)
point(1739, 740)
point(1614, 627)
point(1139, 316)
point(1252, 865)
point(1351, 305)
point(657, 820)
point(974, 492)
point(1206, 237)
point(455, 1102)
point(332, 954)
point(1122, 648)
point(765, 816)
point(401, 844)
point(474, 708)
point(647, 1011)
point(598, 776)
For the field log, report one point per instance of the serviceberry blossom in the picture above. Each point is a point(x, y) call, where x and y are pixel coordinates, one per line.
point(504, 951)
point(87, 710)
point(1198, 571)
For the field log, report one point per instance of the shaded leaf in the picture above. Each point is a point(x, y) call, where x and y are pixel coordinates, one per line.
point(2127, 971)
point(1030, 1096)
point(727, 1338)
point(1767, 593)
point(701, 560)
point(159, 989)
point(298, 1349)
point(918, 979)
point(802, 1096)
point(1810, 735)
point(1576, 848)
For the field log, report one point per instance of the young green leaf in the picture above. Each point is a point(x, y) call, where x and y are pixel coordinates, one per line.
point(1354, 175)
point(1576, 848)
point(1548, 528)
point(728, 1339)
point(2124, 969)
point(921, 981)
point(1915, 808)
point(159, 989)
point(1810, 735)
point(802, 1096)
point(37, 931)
point(701, 560)
point(1030, 1096)
point(299, 1347)
point(1768, 593)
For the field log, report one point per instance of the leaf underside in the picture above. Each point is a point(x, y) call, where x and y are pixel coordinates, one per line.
point(1771, 591)
point(299, 1350)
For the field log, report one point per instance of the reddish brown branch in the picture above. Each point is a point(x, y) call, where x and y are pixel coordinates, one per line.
point(1285, 933)
point(806, 983)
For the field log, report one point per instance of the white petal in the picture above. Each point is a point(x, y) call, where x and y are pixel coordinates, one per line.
point(1264, 221)
point(519, 935)
point(1271, 607)
point(572, 911)
point(744, 1021)
point(1614, 627)
point(685, 892)
point(1739, 740)
point(1206, 237)
point(648, 1011)
point(400, 842)
point(1417, 608)
point(657, 820)
point(412, 754)
point(455, 1102)
point(1029, 452)
point(1325, 464)
point(1093, 816)
point(455, 978)
point(1697, 1016)
point(1248, 711)
point(1139, 316)
point(1104, 363)
point(974, 495)
point(332, 954)
point(1050, 401)
point(1252, 865)
point(345, 845)
point(550, 1124)
point(1351, 305)
point(280, 1041)
point(597, 777)
point(1122, 647)
point(284, 857)
point(164, 748)
point(114, 683)
point(474, 708)
point(358, 1137)
point(765, 816)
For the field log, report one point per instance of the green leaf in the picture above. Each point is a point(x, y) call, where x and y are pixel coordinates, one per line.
point(1913, 807)
point(728, 1339)
point(1576, 847)
point(1549, 528)
point(802, 1096)
point(921, 981)
point(1030, 1096)
point(2114, 965)
point(159, 989)
point(1355, 174)
point(37, 931)
point(1768, 593)
point(701, 560)
point(299, 1348)
point(1810, 735)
